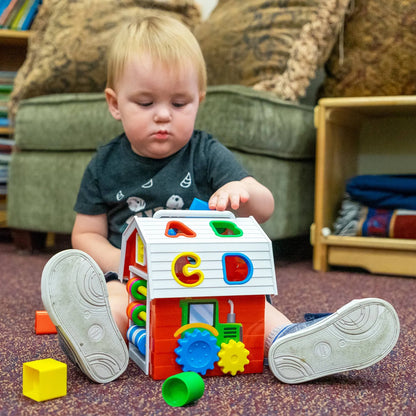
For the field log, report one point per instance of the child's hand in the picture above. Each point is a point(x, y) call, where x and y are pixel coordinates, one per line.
point(248, 197)
point(231, 195)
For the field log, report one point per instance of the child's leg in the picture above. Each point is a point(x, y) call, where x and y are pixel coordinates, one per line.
point(274, 319)
point(74, 293)
point(357, 336)
point(118, 299)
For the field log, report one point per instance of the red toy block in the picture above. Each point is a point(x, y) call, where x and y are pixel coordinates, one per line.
point(43, 324)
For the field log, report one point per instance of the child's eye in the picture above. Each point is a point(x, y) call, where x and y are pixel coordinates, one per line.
point(145, 104)
point(178, 105)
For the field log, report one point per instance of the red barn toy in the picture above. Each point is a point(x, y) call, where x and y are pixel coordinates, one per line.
point(197, 285)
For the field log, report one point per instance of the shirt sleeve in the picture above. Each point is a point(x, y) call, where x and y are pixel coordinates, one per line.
point(223, 167)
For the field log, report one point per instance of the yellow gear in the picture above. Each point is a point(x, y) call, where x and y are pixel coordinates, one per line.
point(233, 357)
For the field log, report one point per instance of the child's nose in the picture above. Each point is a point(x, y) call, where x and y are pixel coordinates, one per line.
point(162, 114)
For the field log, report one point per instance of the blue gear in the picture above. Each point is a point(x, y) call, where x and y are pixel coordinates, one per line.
point(197, 351)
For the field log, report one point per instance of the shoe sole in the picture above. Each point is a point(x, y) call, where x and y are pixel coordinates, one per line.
point(74, 293)
point(357, 336)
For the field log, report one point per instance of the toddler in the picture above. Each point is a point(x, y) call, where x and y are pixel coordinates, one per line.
point(155, 82)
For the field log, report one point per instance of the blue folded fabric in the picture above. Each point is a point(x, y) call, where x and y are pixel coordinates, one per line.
point(384, 191)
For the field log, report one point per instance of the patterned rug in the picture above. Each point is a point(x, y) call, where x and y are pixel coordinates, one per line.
point(387, 388)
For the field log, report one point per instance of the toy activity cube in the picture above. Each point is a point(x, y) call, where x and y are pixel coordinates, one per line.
point(197, 286)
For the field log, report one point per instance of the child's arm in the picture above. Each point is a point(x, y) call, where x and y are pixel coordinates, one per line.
point(247, 197)
point(90, 235)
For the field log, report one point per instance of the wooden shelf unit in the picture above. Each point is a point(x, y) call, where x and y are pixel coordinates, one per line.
point(13, 49)
point(339, 123)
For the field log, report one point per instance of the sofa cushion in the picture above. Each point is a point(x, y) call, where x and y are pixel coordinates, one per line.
point(62, 122)
point(243, 119)
point(379, 51)
point(69, 40)
point(43, 187)
point(257, 122)
point(272, 45)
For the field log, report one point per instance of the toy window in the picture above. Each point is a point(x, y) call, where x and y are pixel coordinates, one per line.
point(139, 250)
point(237, 268)
point(226, 229)
point(201, 313)
point(177, 229)
point(184, 269)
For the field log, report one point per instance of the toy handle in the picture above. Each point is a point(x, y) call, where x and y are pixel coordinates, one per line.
point(178, 213)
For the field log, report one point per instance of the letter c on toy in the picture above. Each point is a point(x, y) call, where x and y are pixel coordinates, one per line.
point(182, 272)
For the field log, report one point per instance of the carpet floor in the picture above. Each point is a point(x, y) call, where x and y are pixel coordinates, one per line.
point(387, 388)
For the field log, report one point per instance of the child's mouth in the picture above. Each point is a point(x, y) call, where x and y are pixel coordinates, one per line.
point(161, 134)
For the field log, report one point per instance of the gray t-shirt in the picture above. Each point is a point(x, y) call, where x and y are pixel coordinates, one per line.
point(122, 184)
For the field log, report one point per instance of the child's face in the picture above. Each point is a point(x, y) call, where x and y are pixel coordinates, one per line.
point(156, 105)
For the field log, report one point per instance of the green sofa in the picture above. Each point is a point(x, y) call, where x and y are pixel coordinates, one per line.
point(56, 136)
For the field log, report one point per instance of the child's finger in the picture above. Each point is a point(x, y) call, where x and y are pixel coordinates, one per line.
point(212, 203)
point(235, 201)
point(222, 201)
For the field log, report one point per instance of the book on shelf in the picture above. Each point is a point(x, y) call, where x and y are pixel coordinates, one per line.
point(7, 77)
point(3, 173)
point(18, 14)
point(7, 141)
point(4, 122)
point(6, 87)
point(5, 157)
point(6, 145)
point(4, 99)
point(8, 10)
point(29, 15)
point(4, 177)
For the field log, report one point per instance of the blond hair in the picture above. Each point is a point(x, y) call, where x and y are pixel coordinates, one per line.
point(164, 38)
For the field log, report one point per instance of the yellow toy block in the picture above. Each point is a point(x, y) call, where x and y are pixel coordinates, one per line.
point(44, 379)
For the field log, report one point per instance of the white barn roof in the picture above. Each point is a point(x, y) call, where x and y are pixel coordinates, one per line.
point(161, 251)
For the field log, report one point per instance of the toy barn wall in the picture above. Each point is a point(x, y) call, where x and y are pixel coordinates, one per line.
point(166, 319)
point(129, 254)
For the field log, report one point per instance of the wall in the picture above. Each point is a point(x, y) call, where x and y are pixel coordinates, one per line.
point(206, 6)
point(388, 145)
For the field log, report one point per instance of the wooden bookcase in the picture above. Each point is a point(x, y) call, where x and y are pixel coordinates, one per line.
point(363, 135)
point(13, 49)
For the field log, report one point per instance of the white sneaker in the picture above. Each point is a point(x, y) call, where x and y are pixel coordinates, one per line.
point(358, 335)
point(75, 295)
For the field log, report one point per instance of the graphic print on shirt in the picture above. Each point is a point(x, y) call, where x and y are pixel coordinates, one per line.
point(174, 202)
point(137, 205)
point(186, 181)
point(119, 196)
point(148, 184)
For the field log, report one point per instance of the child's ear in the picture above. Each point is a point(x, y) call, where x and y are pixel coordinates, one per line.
point(202, 95)
point(112, 102)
